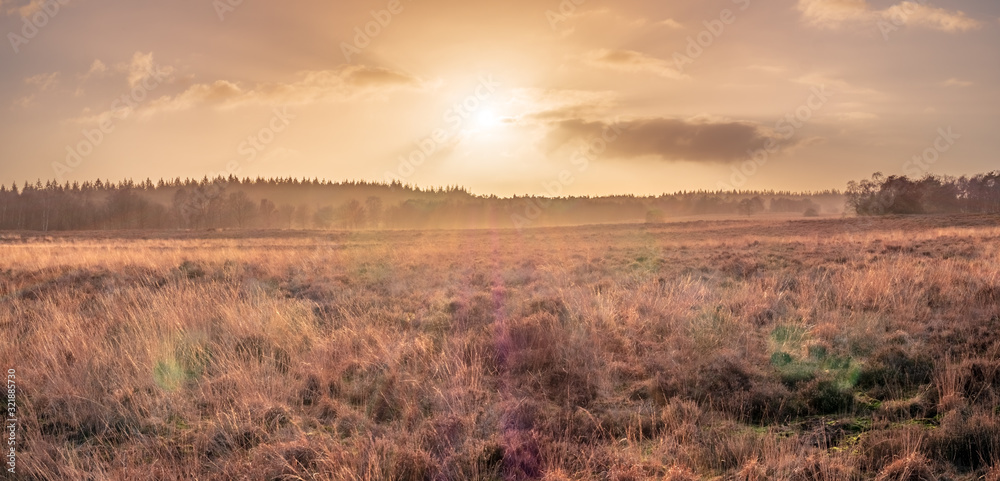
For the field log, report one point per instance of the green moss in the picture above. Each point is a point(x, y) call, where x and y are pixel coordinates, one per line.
point(817, 352)
point(781, 359)
point(784, 334)
point(168, 374)
point(797, 372)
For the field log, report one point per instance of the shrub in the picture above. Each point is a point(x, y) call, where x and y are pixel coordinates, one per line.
point(912, 467)
point(892, 369)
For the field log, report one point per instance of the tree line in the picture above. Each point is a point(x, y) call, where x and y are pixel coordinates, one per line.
point(894, 194)
point(287, 203)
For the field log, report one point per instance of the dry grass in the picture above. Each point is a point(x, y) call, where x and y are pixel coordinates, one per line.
point(807, 350)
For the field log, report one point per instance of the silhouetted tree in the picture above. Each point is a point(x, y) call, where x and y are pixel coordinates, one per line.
point(749, 207)
point(242, 208)
point(901, 195)
point(323, 218)
point(352, 214)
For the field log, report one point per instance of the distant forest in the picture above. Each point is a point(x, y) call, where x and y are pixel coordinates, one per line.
point(931, 195)
point(233, 203)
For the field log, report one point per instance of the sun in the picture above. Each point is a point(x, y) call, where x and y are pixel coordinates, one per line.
point(486, 119)
point(487, 124)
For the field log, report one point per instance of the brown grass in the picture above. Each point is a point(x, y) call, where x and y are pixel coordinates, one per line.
point(807, 350)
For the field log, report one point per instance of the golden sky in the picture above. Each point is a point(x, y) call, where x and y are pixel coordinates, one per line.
point(582, 97)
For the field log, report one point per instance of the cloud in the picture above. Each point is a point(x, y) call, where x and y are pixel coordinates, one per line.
point(26, 8)
point(374, 77)
point(569, 118)
point(344, 84)
point(916, 14)
point(21, 8)
point(632, 61)
point(670, 23)
point(220, 92)
point(548, 105)
point(854, 116)
point(97, 69)
point(139, 69)
point(708, 140)
point(836, 85)
point(834, 14)
point(954, 82)
point(43, 81)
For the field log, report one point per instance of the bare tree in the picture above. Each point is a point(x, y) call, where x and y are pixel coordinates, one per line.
point(352, 214)
point(242, 208)
point(323, 218)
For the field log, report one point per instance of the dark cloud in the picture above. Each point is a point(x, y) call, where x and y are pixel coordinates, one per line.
point(696, 140)
point(366, 76)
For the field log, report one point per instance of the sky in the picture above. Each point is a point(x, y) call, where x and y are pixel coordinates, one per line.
point(537, 97)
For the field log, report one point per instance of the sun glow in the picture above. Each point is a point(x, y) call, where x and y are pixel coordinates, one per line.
point(487, 120)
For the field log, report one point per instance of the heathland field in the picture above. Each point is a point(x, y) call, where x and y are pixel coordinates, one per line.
point(836, 349)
